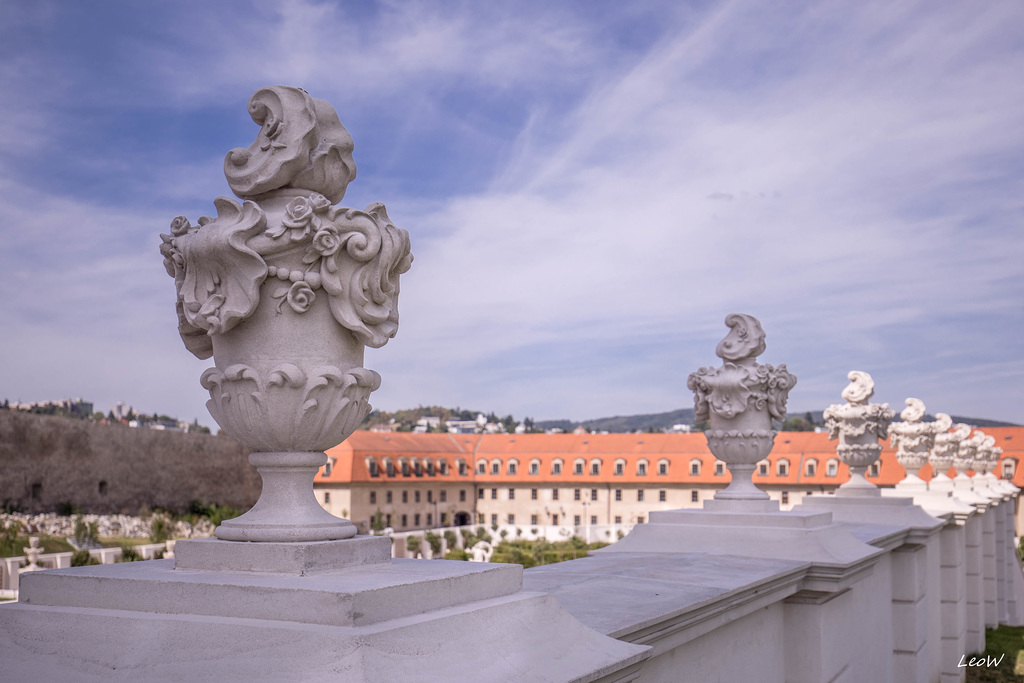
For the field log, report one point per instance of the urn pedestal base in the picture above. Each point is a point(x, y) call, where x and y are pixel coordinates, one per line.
point(287, 511)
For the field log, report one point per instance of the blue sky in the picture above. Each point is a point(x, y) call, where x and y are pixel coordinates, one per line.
point(590, 188)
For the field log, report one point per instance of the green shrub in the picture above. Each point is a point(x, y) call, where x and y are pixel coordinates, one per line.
point(434, 541)
point(456, 554)
point(160, 529)
point(452, 539)
point(129, 554)
point(412, 545)
point(82, 558)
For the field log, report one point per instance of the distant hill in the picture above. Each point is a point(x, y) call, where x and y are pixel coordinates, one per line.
point(625, 423)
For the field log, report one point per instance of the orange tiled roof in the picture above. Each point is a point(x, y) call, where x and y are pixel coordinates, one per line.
point(679, 450)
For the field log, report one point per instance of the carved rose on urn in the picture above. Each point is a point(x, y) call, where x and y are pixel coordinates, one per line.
point(285, 290)
point(858, 425)
point(740, 399)
point(913, 441)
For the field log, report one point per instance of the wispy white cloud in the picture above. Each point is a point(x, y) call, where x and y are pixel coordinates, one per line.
point(848, 173)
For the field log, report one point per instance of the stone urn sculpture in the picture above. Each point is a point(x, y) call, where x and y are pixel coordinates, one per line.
point(32, 553)
point(964, 459)
point(986, 460)
point(858, 425)
point(285, 289)
point(944, 453)
point(913, 441)
point(739, 400)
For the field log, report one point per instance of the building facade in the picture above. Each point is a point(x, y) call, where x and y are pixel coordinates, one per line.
point(574, 481)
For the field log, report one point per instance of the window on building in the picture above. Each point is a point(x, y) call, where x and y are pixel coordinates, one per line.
point(694, 497)
point(719, 469)
point(620, 468)
point(387, 497)
point(556, 467)
point(593, 494)
point(641, 519)
point(595, 467)
point(373, 468)
point(554, 519)
point(430, 519)
point(641, 468)
point(442, 468)
point(481, 467)
point(373, 497)
point(533, 494)
point(327, 467)
point(782, 468)
point(554, 494)
point(577, 467)
point(618, 494)
point(810, 468)
point(513, 467)
point(327, 496)
point(405, 468)
point(576, 521)
point(462, 495)
point(593, 519)
point(663, 467)
point(416, 496)
point(577, 494)
point(444, 495)
point(444, 519)
point(418, 468)
point(481, 494)
point(535, 467)
point(494, 494)
point(495, 468)
point(640, 496)
point(785, 497)
point(831, 468)
point(405, 496)
point(662, 496)
point(389, 467)
point(511, 518)
point(405, 520)
point(463, 470)
point(873, 470)
point(511, 494)
point(618, 519)
point(416, 519)
point(430, 468)
point(762, 468)
point(480, 518)
point(430, 496)
point(387, 520)
point(533, 520)
point(1009, 467)
point(694, 468)
point(494, 520)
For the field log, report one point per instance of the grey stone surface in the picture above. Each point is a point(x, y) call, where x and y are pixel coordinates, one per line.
point(314, 557)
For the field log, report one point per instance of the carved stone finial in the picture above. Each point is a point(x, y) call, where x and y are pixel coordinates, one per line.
point(913, 441)
point(858, 425)
point(740, 399)
point(285, 290)
point(947, 444)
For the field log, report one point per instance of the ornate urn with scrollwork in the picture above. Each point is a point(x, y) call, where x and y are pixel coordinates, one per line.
point(739, 400)
point(858, 425)
point(285, 289)
point(944, 453)
point(913, 441)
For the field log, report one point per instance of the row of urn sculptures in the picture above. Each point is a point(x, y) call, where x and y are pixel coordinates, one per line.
point(285, 289)
point(741, 398)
